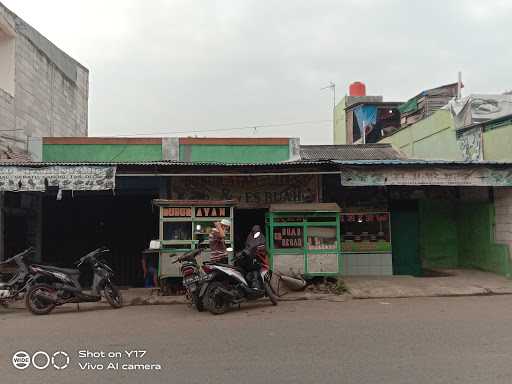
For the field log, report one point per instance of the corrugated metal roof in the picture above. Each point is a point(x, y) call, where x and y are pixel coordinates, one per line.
point(297, 163)
point(161, 163)
point(350, 152)
point(420, 162)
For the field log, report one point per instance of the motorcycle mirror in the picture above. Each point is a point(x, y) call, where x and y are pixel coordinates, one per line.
point(257, 234)
point(229, 249)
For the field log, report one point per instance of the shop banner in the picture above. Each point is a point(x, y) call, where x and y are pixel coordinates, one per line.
point(249, 191)
point(77, 178)
point(430, 176)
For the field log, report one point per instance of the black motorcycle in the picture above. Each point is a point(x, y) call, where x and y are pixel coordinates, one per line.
point(15, 277)
point(247, 280)
point(58, 286)
point(192, 277)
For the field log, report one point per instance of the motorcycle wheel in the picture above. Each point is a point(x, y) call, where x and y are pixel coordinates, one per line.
point(113, 295)
point(197, 302)
point(215, 303)
point(270, 293)
point(36, 305)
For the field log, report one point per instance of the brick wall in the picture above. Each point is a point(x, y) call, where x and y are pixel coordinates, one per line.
point(50, 93)
point(503, 206)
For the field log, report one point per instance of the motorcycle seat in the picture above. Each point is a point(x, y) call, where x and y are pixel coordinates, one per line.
point(67, 271)
point(227, 265)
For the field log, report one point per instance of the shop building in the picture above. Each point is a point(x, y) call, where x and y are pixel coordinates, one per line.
point(325, 210)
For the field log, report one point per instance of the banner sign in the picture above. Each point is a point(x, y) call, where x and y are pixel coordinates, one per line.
point(249, 191)
point(79, 178)
point(428, 176)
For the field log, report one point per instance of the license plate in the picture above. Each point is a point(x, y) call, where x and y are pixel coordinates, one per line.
point(191, 280)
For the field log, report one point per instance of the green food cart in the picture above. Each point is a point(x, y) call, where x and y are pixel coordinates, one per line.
point(305, 239)
point(186, 225)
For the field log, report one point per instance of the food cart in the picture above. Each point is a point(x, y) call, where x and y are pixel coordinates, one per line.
point(305, 239)
point(185, 225)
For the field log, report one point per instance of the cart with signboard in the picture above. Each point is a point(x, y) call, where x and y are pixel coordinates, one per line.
point(305, 239)
point(186, 225)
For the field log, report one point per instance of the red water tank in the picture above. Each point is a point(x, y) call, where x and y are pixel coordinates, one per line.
point(357, 89)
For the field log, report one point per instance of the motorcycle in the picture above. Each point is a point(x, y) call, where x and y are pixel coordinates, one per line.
point(19, 278)
point(248, 279)
point(58, 286)
point(192, 277)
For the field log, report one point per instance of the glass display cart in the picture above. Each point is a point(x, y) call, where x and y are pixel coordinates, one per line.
point(186, 225)
point(305, 238)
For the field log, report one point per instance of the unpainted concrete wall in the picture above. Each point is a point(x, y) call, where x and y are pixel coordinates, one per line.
point(51, 89)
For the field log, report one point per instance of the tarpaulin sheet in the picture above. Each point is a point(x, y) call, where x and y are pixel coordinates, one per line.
point(479, 108)
point(76, 178)
point(366, 116)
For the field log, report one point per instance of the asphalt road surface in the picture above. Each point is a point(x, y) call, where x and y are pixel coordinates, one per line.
point(435, 340)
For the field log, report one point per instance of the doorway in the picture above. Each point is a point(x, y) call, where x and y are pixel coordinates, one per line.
point(244, 220)
point(125, 224)
point(405, 238)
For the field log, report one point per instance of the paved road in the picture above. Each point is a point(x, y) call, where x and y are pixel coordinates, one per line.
point(437, 340)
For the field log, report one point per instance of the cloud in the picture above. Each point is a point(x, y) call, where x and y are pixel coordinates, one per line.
point(166, 66)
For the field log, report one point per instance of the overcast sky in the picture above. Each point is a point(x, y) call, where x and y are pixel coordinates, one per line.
point(165, 66)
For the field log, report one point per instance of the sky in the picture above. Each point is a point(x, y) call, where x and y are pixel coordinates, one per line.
point(214, 68)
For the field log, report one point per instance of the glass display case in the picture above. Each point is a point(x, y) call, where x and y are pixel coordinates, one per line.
point(186, 225)
point(366, 243)
point(365, 232)
point(305, 238)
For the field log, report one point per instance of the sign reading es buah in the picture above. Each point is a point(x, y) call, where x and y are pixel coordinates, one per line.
point(249, 191)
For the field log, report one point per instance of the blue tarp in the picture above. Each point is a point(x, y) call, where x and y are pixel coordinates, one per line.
point(366, 116)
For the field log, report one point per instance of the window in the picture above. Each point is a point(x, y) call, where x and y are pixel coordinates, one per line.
point(288, 237)
point(322, 238)
point(177, 230)
point(365, 232)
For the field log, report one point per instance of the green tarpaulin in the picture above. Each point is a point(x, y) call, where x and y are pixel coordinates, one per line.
point(409, 106)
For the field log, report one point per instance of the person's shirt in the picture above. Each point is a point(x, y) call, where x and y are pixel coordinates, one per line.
point(217, 245)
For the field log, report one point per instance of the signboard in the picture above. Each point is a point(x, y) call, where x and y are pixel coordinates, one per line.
point(77, 178)
point(177, 212)
point(249, 191)
point(212, 212)
point(288, 237)
point(428, 176)
point(470, 145)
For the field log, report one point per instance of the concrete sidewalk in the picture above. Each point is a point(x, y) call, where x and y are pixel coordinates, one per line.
point(460, 282)
point(457, 282)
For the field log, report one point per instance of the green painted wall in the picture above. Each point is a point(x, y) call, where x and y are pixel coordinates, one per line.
point(340, 125)
point(234, 153)
point(438, 234)
point(102, 152)
point(430, 138)
point(460, 235)
point(477, 249)
point(498, 143)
